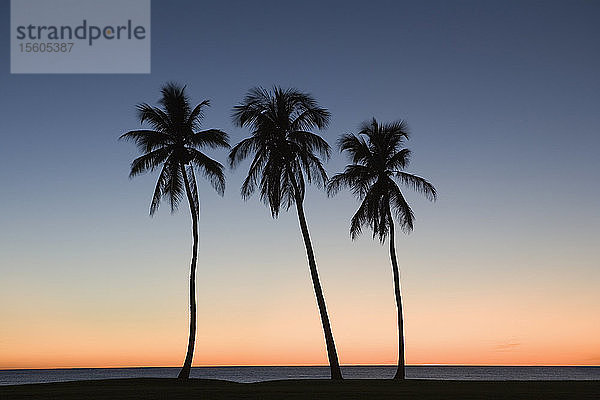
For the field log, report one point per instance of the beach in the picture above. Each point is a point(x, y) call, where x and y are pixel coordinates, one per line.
point(301, 389)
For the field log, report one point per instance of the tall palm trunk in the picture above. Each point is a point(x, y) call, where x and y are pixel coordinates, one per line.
point(400, 373)
point(334, 364)
point(187, 364)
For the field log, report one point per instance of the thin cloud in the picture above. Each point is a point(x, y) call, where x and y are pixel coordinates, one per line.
point(511, 345)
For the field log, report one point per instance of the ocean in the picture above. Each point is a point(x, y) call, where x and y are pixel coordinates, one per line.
point(255, 374)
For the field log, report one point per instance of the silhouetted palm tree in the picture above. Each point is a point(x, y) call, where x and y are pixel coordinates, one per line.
point(286, 156)
point(174, 144)
point(378, 161)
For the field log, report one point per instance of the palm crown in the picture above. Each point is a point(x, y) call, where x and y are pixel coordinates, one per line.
point(378, 162)
point(175, 143)
point(286, 154)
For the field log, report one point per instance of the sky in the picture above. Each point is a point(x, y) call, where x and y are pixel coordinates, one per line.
point(503, 103)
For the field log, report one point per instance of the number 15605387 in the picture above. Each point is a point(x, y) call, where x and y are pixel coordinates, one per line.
point(46, 47)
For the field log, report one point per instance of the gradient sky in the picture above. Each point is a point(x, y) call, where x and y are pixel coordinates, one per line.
point(503, 101)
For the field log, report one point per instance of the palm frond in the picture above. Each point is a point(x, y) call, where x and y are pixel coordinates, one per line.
point(358, 178)
point(399, 160)
point(312, 167)
point(149, 161)
point(241, 150)
point(356, 147)
point(160, 189)
point(295, 182)
point(147, 140)
point(369, 214)
point(174, 189)
point(311, 143)
point(418, 184)
point(400, 208)
point(293, 185)
point(254, 104)
point(369, 128)
point(270, 185)
point(154, 116)
point(308, 115)
point(197, 115)
point(254, 172)
point(359, 219)
point(169, 184)
point(211, 169)
point(396, 129)
point(176, 103)
point(213, 138)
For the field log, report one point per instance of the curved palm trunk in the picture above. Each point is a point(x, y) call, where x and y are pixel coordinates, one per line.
point(334, 364)
point(401, 366)
point(187, 364)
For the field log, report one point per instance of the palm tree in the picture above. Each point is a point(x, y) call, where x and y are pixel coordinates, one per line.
point(286, 157)
point(378, 161)
point(174, 145)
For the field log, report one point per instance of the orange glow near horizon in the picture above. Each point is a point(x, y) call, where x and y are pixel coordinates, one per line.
point(443, 336)
point(261, 314)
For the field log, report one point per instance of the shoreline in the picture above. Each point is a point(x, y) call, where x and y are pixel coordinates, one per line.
point(158, 388)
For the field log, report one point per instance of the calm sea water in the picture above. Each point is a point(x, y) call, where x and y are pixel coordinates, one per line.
point(255, 374)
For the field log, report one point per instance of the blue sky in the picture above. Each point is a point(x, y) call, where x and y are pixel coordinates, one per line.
point(502, 99)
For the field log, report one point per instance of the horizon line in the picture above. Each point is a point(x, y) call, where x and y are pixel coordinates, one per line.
point(310, 365)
